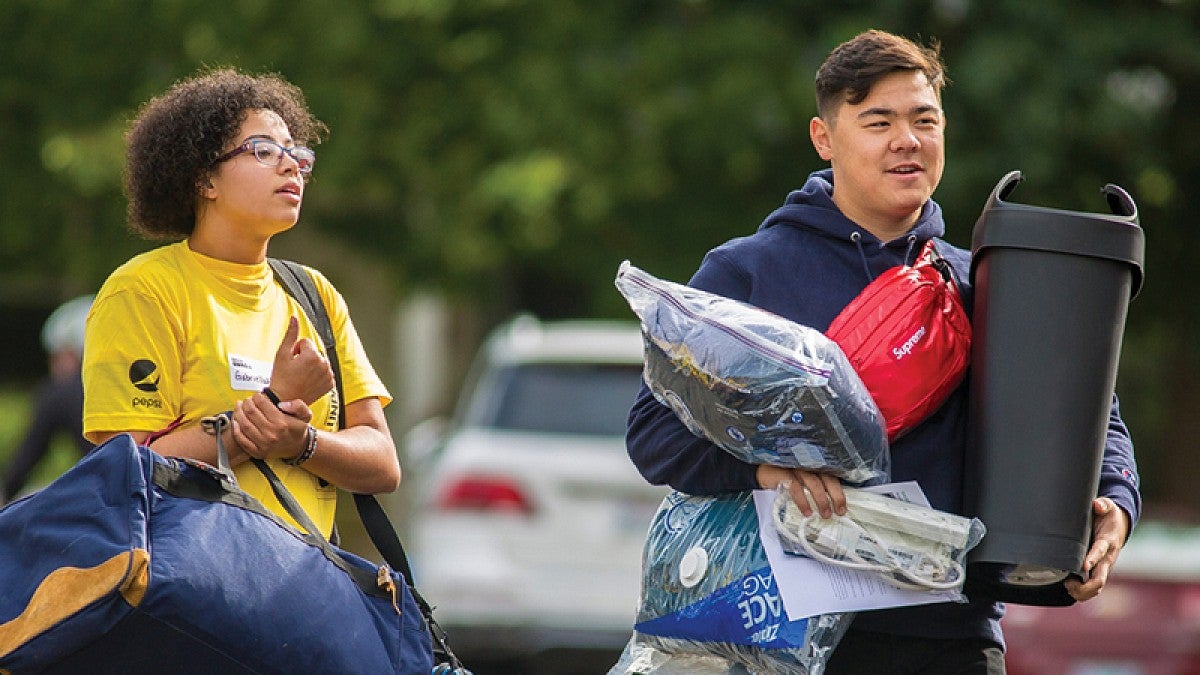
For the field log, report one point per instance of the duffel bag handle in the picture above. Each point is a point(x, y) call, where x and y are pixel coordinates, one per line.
point(369, 583)
point(218, 424)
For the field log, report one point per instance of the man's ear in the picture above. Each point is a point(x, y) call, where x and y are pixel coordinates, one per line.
point(818, 131)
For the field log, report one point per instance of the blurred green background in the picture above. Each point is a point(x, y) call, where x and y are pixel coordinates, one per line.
point(507, 155)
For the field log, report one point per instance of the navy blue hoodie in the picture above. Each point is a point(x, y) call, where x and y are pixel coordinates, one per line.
point(805, 263)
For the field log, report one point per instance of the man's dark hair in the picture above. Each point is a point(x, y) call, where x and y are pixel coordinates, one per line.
point(173, 142)
point(854, 66)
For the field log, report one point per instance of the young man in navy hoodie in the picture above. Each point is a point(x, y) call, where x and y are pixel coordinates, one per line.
point(881, 127)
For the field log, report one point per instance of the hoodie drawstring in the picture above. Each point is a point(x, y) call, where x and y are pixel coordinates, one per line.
point(912, 242)
point(856, 237)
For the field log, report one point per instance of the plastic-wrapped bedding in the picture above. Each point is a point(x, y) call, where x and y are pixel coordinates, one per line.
point(709, 601)
point(765, 389)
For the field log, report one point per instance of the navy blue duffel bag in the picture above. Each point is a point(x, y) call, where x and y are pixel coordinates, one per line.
point(132, 562)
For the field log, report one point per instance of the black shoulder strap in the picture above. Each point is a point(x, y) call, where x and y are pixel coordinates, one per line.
point(296, 281)
point(966, 294)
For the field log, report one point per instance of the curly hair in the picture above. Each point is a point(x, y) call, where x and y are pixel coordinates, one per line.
point(854, 66)
point(176, 137)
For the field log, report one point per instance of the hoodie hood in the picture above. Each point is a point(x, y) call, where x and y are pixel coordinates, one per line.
point(812, 208)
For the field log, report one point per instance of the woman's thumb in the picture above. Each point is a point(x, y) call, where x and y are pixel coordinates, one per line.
point(290, 335)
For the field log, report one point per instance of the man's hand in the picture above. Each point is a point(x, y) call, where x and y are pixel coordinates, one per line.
point(1110, 528)
point(825, 489)
point(300, 370)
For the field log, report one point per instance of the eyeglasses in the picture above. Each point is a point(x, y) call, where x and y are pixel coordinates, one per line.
point(270, 153)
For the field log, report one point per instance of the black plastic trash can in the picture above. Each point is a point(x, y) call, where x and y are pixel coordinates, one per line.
point(1052, 289)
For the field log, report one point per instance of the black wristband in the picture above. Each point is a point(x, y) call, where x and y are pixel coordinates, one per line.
point(271, 395)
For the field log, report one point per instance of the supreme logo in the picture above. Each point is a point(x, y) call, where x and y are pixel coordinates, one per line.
point(909, 344)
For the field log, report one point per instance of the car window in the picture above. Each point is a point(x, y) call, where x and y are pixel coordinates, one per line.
point(567, 398)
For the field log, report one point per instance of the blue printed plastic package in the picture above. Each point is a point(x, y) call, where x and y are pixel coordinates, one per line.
point(709, 598)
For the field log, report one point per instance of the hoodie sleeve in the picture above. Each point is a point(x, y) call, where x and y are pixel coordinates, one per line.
point(1118, 469)
point(661, 447)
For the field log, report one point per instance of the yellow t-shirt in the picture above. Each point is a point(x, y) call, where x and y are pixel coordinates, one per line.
point(174, 335)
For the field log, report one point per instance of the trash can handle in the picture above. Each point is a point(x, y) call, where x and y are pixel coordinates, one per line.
point(1005, 187)
point(1119, 201)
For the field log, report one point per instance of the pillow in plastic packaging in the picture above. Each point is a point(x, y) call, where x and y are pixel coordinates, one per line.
point(709, 598)
point(763, 388)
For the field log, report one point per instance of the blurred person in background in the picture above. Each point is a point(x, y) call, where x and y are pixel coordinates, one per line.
point(58, 402)
point(200, 328)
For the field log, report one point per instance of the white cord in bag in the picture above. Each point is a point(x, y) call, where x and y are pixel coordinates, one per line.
point(908, 545)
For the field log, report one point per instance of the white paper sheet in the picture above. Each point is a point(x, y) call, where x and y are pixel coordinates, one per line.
point(809, 588)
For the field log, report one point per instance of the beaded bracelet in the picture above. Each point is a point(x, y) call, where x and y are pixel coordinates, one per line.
point(310, 447)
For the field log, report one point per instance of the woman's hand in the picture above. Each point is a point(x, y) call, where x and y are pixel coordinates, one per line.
point(300, 371)
point(263, 430)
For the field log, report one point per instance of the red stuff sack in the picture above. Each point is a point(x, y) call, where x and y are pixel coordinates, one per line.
point(908, 338)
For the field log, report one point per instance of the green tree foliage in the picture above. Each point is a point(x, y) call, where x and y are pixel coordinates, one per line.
point(513, 152)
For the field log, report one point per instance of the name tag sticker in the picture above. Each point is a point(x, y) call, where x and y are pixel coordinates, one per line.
point(246, 374)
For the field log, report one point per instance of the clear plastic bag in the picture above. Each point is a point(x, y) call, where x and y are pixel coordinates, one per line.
point(765, 389)
point(639, 659)
point(910, 546)
point(709, 599)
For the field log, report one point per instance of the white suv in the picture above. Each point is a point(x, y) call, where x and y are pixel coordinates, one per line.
point(528, 535)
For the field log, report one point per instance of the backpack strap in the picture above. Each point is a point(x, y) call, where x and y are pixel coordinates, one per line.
point(298, 284)
point(294, 279)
